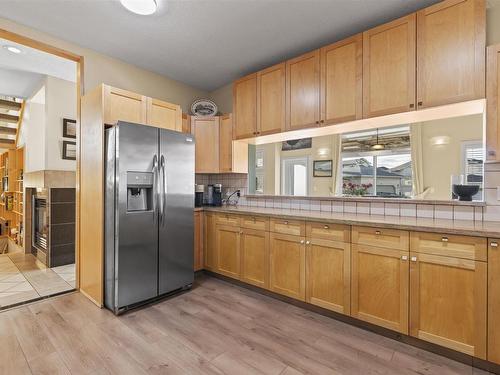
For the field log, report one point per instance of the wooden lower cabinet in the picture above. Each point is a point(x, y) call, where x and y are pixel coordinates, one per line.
point(448, 302)
point(494, 300)
point(379, 286)
point(210, 253)
point(255, 257)
point(198, 241)
point(227, 244)
point(287, 265)
point(328, 272)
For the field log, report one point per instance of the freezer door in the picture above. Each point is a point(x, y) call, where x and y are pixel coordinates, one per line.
point(137, 219)
point(176, 211)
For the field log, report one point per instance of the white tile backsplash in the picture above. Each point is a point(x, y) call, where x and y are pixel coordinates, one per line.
point(425, 210)
point(294, 204)
point(315, 205)
point(443, 212)
point(350, 207)
point(408, 210)
point(326, 206)
point(337, 206)
point(363, 208)
point(392, 209)
point(463, 213)
point(377, 208)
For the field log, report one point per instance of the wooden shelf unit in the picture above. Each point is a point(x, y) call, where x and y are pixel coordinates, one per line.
point(12, 204)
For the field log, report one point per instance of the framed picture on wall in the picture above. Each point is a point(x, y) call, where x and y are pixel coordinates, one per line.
point(322, 168)
point(69, 150)
point(69, 128)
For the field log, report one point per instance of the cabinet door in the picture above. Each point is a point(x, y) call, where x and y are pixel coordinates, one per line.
point(494, 301)
point(206, 132)
point(493, 104)
point(164, 115)
point(451, 38)
point(198, 240)
point(448, 302)
point(186, 123)
point(245, 107)
point(124, 106)
point(302, 91)
point(328, 274)
point(287, 268)
point(379, 286)
point(255, 257)
point(210, 255)
point(226, 144)
point(341, 81)
point(271, 103)
point(389, 68)
point(227, 245)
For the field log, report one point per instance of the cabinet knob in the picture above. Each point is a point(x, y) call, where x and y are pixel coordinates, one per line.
point(326, 227)
point(444, 239)
point(322, 121)
point(413, 259)
point(420, 104)
point(301, 241)
point(494, 244)
point(378, 233)
point(404, 257)
point(317, 122)
point(308, 242)
point(285, 222)
point(412, 105)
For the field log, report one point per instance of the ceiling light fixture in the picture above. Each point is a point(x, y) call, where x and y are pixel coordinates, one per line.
point(377, 146)
point(142, 7)
point(13, 49)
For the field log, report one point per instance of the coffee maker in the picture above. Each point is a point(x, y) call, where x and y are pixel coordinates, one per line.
point(214, 195)
point(199, 190)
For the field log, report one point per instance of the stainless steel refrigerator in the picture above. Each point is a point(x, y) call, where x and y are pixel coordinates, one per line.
point(149, 199)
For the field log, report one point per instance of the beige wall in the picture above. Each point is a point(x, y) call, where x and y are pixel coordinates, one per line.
point(223, 97)
point(99, 68)
point(440, 162)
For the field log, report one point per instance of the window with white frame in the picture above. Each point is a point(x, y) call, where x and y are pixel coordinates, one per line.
point(259, 171)
point(473, 165)
point(295, 176)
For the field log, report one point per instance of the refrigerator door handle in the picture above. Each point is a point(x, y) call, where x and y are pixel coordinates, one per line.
point(155, 186)
point(163, 193)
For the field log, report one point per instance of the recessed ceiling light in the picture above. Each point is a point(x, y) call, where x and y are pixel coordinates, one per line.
point(142, 7)
point(12, 49)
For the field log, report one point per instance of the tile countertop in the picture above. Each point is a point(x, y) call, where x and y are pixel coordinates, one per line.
point(463, 227)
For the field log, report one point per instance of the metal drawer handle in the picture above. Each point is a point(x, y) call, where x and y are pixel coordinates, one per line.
point(413, 259)
point(404, 257)
point(494, 244)
point(444, 239)
point(326, 227)
point(378, 233)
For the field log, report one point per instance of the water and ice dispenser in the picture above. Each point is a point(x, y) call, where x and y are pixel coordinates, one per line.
point(139, 191)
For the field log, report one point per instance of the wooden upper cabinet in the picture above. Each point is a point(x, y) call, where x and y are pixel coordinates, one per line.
point(493, 104)
point(389, 68)
point(451, 39)
point(341, 81)
point(164, 115)
point(448, 302)
point(494, 300)
point(186, 123)
point(233, 155)
point(271, 102)
point(245, 107)
point(206, 133)
point(123, 105)
point(303, 91)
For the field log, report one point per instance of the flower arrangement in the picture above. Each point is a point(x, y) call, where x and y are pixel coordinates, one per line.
point(348, 188)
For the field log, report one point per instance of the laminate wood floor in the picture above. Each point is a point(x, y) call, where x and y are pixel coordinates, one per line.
point(217, 328)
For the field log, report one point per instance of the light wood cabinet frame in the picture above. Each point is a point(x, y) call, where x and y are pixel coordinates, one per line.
point(493, 103)
point(494, 300)
point(255, 259)
point(271, 114)
point(245, 107)
point(348, 82)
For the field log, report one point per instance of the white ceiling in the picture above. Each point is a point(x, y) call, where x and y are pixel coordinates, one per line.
point(206, 43)
point(21, 73)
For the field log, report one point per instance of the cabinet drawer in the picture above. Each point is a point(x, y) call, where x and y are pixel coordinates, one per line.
point(465, 247)
point(391, 238)
point(332, 232)
point(255, 222)
point(294, 227)
point(227, 219)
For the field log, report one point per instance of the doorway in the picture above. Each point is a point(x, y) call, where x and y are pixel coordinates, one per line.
point(40, 94)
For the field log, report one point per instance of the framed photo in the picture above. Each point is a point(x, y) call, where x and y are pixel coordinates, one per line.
point(69, 150)
point(69, 128)
point(322, 168)
point(296, 144)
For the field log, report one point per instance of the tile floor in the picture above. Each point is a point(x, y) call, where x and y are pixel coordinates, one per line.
point(24, 278)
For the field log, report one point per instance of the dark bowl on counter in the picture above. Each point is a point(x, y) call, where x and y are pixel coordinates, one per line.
point(465, 192)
